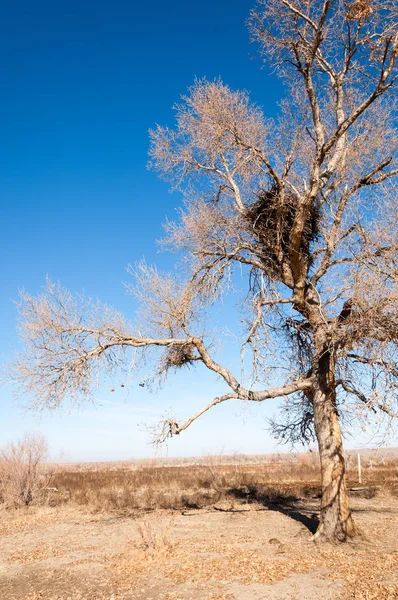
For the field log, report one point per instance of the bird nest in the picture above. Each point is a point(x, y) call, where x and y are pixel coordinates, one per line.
point(359, 10)
point(179, 356)
point(271, 219)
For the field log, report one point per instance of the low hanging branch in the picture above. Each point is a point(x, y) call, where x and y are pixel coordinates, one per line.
point(62, 353)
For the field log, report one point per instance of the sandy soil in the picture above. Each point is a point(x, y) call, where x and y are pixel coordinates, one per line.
point(245, 552)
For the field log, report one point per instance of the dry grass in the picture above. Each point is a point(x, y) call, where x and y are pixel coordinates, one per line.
point(41, 552)
point(16, 521)
point(170, 487)
point(207, 552)
point(70, 553)
point(155, 539)
point(366, 572)
point(128, 487)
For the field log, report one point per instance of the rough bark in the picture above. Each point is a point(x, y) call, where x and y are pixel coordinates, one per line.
point(336, 523)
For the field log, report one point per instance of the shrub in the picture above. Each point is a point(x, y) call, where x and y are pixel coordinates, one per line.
point(23, 477)
point(154, 537)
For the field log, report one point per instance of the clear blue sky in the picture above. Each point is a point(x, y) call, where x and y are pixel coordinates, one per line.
point(82, 83)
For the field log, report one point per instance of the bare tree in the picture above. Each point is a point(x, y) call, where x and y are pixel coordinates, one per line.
point(305, 206)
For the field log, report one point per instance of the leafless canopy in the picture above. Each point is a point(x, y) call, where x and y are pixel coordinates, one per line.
point(305, 206)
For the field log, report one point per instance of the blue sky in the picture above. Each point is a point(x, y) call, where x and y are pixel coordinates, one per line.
point(82, 83)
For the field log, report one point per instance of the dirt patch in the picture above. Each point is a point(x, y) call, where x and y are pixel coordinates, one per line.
point(248, 553)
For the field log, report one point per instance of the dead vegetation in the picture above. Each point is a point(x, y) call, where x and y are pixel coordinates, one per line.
point(153, 487)
point(154, 539)
point(23, 478)
point(227, 528)
point(250, 554)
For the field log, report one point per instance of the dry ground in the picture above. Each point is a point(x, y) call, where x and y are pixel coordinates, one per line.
point(231, 551)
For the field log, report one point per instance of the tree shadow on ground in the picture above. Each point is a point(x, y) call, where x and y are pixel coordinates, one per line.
point(308, 518)
point(287, 504)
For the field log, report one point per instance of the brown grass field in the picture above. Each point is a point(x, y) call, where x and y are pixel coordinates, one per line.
point(221, 528)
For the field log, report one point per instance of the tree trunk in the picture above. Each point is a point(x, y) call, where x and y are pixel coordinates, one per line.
point(336, 523)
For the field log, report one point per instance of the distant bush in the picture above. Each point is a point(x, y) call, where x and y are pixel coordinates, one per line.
point(23, 477)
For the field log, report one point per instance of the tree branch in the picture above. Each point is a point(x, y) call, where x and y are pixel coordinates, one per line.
point(248, 395)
